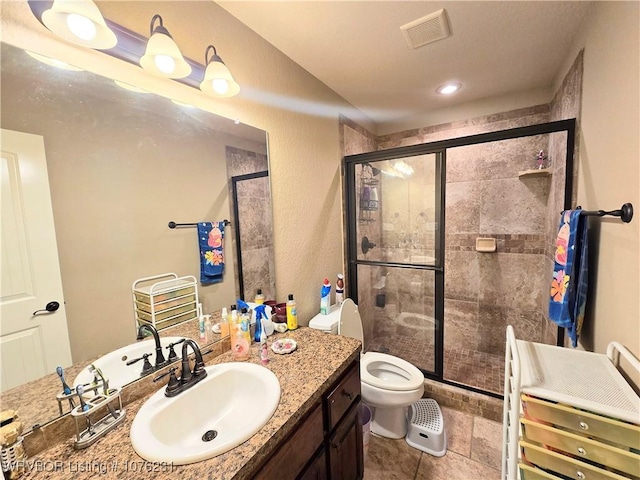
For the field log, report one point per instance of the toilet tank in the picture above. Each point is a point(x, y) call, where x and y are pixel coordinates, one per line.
point(327, 323)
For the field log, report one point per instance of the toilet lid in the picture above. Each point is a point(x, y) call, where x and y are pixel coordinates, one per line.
point(389, 373)
point(350, 324)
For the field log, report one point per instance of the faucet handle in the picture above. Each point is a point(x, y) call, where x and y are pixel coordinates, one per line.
point(172, 353)
point(173, 385)
point(146, 367)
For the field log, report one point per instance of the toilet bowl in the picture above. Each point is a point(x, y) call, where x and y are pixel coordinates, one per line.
point(389, 384)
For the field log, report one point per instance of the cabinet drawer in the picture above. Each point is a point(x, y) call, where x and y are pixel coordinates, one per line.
point(532, 473)
point(567, 466)
point(343, 395)
point(295, 452)
point(581, 422)
point(582, 447)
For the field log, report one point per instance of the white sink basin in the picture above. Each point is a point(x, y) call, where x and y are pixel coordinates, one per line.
point(114, 365)
point(235, 400)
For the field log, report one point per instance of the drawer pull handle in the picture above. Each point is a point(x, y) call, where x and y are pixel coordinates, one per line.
point(580, 475)
point(349, 395)
point(582, 451)
point(583, 426)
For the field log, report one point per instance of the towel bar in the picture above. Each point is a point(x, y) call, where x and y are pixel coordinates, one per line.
point(174, 224)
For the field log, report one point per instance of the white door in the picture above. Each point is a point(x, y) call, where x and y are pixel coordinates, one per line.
point(30, 345)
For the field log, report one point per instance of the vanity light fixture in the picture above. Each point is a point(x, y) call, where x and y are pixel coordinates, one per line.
point(162, 56)
point(449, 88)
point(53, 62)
point(79, 22)
point(218, 80)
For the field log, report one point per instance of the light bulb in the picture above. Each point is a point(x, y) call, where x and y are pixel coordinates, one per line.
point(449, 88)
point(165, 63)
point(81, 26)
point(220, 85)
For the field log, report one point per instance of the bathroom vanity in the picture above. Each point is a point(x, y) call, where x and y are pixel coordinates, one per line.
point(315, 432)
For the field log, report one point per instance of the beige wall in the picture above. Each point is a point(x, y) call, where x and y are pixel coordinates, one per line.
point(608, 174)
point(299, 113)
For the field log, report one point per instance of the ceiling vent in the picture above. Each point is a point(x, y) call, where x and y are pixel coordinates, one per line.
point(431, 28)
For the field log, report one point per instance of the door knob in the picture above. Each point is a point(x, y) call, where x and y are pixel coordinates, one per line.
point(49, 308)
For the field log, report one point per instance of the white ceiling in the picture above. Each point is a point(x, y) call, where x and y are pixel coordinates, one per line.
point(358, 50)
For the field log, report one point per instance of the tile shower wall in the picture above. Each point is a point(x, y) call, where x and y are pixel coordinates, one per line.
point(485, 197)
point(566, 104)
point(356, 139)
point(254, 205)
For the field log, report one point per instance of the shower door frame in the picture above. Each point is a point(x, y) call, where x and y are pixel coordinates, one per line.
point(440, 149)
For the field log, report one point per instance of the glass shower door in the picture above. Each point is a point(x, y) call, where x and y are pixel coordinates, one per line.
point(395, 252)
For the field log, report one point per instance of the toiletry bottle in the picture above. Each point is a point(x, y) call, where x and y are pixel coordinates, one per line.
point(325, 297)
point(340, 290)
point(224, 323)
point(264, 350)
point(258, 327)
point(259, 298)
point(241, 341)
point(233, 324)
point(201, 328)
point(292, 314)
point(208, 333)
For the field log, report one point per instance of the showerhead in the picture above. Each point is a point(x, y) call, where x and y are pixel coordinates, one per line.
point(374, 171)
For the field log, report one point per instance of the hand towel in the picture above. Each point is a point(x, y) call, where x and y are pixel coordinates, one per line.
point(568, 296)
point(210, 239)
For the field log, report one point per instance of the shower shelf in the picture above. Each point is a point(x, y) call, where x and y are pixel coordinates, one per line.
point(537, 172)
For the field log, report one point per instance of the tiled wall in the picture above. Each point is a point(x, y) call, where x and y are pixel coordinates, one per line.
point(566, 104)
point(485, 197)
point(356, 139)
point(256, 234)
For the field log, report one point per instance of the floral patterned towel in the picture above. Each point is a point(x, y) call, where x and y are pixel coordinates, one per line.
point(570, 271)
point(210, 239)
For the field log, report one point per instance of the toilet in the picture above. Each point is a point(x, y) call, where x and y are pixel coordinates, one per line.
point(389, 384)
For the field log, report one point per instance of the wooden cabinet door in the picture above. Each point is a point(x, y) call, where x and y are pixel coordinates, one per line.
point(345, 448)
point(317, 470)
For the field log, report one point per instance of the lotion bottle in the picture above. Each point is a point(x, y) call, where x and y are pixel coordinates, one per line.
point(292, 314)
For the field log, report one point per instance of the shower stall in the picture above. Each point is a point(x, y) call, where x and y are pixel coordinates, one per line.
point(449, 242)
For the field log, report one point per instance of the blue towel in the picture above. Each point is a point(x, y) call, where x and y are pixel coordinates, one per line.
point(570, 274)
point(210, 239)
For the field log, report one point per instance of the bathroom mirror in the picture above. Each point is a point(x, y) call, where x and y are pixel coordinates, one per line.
point(121, 166)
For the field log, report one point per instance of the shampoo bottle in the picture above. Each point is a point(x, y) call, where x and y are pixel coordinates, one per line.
point(340, 290)
point(325, 297)
point(292, 314)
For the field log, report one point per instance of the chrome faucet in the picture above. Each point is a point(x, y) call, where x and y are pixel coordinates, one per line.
point(160, 360)
point(187, 378)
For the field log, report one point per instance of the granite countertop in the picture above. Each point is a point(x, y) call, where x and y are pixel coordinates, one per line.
point(36, 401)
point(303, 374)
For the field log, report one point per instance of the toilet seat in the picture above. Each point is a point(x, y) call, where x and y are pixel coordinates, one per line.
point(389, 373)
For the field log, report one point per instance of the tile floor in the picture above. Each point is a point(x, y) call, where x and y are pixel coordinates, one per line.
point(473, 453)
point(469, 367)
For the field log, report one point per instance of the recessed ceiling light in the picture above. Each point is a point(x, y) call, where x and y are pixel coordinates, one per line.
point(53, 62)
point(448, 88)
